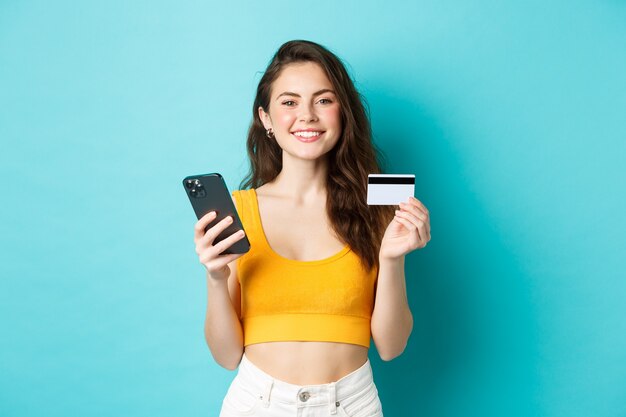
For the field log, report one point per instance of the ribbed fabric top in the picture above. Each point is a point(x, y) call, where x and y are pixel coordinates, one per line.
point(283, 299)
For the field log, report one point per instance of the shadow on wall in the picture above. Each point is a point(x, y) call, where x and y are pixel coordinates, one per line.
point(473, 328)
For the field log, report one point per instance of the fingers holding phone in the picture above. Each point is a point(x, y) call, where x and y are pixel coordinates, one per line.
point(208, 253)
point(218, 234)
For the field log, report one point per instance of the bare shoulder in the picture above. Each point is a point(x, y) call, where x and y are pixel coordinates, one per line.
point(267, 196)
point(264, 190)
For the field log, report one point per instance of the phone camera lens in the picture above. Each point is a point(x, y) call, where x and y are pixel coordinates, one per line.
point(188, 183)
point(193, 191)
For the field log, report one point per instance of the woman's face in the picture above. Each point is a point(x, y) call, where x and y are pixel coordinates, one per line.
point(304, 113)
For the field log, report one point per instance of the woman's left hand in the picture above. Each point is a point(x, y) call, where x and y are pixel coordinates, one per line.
point(409, 230)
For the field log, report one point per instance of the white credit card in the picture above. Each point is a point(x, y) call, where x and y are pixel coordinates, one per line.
point(389, 189)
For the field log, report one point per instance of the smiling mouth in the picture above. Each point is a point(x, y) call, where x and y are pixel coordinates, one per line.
point(307, 136)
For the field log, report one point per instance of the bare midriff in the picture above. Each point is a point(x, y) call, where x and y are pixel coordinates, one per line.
point(307, 363)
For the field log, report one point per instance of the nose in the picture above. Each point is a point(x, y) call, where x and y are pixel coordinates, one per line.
point(307, 114)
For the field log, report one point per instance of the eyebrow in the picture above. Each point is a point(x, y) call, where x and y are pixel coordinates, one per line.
point(317, 93)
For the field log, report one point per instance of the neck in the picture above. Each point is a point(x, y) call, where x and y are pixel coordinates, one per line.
point(302, 181)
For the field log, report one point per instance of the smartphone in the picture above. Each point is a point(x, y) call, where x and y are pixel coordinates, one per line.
point(208, 192)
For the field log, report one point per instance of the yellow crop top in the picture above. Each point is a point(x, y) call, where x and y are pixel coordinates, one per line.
point(283, 299)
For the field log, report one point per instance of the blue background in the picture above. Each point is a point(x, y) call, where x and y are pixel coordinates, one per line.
point(511, 115)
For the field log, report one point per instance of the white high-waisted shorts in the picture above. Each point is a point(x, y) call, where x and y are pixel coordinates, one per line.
point(255, 393)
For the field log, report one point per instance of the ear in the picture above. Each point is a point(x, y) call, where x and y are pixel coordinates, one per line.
point(265, 118)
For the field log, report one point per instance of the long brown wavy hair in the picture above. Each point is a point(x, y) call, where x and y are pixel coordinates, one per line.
point(349, 162)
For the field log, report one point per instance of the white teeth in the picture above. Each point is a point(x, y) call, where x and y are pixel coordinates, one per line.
point(307, 134)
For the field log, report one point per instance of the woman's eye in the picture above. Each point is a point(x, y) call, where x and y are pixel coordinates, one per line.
point(289, 103)
point(325, 101)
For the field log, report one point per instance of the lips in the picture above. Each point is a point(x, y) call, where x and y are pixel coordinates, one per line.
point(308, 135)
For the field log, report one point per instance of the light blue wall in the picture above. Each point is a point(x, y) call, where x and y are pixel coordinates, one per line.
point(511, 114)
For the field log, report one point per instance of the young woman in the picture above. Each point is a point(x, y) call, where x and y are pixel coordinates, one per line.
point(325, 272)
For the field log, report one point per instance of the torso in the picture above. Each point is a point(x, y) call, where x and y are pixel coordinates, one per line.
point(302, 363)
point(284, 223)
point(307, 363)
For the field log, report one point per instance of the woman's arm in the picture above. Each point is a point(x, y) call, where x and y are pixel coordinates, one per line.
point(392, 321)
point(222, 329)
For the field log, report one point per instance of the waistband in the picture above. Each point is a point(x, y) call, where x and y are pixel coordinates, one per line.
point(272, 389)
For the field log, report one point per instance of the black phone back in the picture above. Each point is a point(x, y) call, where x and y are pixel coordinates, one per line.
point(208, 192)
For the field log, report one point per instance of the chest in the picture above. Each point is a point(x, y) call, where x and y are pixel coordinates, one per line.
point(298, 233)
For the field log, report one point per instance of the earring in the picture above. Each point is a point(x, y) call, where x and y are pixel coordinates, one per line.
point(269, 133)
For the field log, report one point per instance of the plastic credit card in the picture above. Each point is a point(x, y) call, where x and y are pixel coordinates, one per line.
point(389, 189)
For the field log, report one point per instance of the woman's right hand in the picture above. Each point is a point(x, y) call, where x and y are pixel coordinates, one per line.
point(208, 254)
